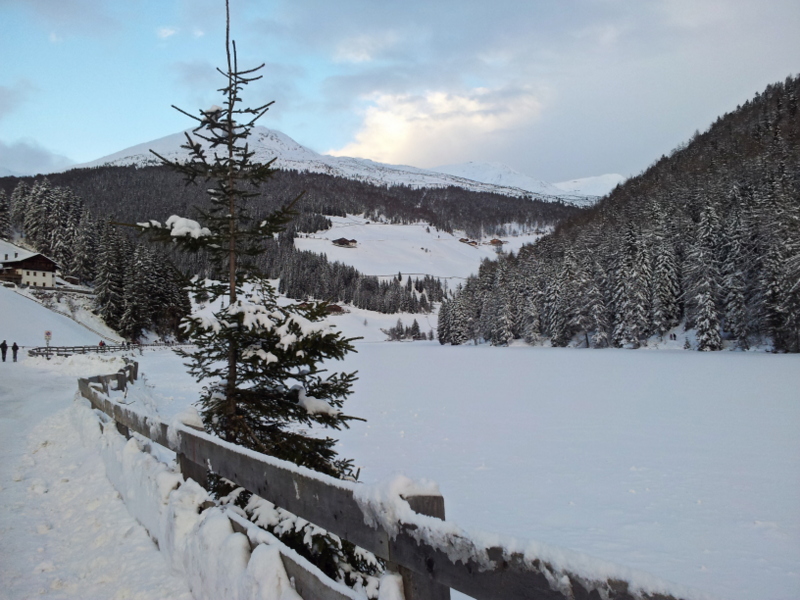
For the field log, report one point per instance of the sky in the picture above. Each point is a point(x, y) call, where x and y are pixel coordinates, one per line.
point(556, 89)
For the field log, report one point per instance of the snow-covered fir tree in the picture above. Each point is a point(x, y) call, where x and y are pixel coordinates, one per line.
point(5, 215)
point(261, 362)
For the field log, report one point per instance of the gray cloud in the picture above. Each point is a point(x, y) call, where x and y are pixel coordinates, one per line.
point(197, 75)
point(27, 157)
point(620, 83)
point(83, 17)
point(13, 96)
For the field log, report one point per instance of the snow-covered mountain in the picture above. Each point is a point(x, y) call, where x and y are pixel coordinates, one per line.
point(501, 175)
point(268, 144)
point(591, 186)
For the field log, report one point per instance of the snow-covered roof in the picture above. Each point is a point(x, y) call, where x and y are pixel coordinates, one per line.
point(7, 249)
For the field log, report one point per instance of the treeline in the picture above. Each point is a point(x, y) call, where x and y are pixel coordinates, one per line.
point(129, 194)
point(708, 237)
point(306, 275)
point(406, 332)
point(137, 194)
point(135, 288)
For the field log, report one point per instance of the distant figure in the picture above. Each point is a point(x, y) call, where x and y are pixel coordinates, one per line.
point(14, 350)
point(102, 344)
point(4, 350)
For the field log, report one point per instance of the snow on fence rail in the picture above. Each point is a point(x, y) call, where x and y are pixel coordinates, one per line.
point(395, 522)
point(69, 350)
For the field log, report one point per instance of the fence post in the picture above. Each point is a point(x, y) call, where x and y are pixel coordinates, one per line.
point(191, 469)
point(417, 586)
point(122, 381)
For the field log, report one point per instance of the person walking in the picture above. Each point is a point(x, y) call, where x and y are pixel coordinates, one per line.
point(3, 350)
point(14, 350)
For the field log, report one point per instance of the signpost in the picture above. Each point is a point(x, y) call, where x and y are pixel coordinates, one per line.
point(48, 335)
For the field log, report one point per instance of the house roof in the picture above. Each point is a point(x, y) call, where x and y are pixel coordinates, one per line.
point(9, 249)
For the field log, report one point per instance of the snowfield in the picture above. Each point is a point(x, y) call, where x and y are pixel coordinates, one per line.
point(385, 249)
point(682, 464)
point(685, 465)
point(23, 320)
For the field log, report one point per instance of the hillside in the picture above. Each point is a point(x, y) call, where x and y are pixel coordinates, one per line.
point(25, 320)
point(707, 237)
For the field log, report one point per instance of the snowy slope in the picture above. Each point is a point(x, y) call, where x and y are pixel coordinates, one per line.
point(499, 174)
point(268, 144)
point(385, 249)
point(591, 186)
point(24, 321)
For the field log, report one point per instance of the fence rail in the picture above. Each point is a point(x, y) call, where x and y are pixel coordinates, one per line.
point(69, 350)
point(431, 556)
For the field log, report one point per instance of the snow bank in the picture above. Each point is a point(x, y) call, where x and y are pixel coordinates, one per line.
point(200, 544)
point(385, 507)
point(79, 365)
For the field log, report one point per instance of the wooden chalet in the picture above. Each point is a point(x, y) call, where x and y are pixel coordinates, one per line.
point(345, 243)
point(24, 267)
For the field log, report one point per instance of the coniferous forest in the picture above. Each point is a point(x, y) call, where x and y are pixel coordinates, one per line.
point(707, 237)
point(130, 194)
point(136, 288)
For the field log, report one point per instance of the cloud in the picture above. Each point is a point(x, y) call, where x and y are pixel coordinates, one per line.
point(13, 96)
point(439, 127)
point(696, 14)
point(85, 17)
point(363, 48)
point(166, 32)
point(197, 75)
point(27, 157)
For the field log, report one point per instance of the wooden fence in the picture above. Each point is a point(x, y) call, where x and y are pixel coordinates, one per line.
point(69, 350)
point(424, 561)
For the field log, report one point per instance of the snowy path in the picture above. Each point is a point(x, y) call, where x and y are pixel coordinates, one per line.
point(64, 532)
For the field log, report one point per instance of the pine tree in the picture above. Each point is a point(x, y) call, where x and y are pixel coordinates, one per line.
point(110, 278)
point(137, 301)
point(443, 323)
point(19, 203)
point(83, 263)
point(260, 362)
point(707, 321)
point(666, 281)
point(733, 272)
point(5, 215)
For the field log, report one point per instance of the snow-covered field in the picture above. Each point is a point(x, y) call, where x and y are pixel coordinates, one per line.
point(385, 249)
point(682, 464)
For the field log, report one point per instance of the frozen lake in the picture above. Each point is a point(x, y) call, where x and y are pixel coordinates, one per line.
point(682, 464)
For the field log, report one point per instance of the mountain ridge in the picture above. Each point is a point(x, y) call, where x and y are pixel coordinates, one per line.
point(290, 155)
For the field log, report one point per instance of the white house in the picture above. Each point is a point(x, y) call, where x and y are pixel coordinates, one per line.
point(24, 267)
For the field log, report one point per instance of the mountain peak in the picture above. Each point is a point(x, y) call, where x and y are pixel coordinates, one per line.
point(268, 144)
